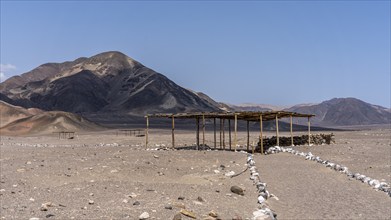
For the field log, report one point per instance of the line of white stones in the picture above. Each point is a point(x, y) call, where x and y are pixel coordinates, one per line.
point(264, 212)
point(374, 183)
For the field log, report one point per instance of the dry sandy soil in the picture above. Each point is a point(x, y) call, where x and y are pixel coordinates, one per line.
point(104, 176)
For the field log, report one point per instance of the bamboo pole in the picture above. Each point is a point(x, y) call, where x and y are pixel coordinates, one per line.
point(277, 136)
point(248, 135)
point(146, 132)
point(291, 132)
point(229, 131)
point(236, 131)
point(214, 132)
point(198, 132)
point(203, 130)
point(309, 131)
point(173, 132)
point(261, 131)
point(223, 135)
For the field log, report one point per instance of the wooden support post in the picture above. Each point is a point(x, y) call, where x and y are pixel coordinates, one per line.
point(198, 132)
point(146, 132)
point(291, 132)
point(221, 137)
point(229, 131)
point(309, 131)
point(203, 130)
point(277, 136)
point(236, 131)
point(223, 134)
point(214, 132)
point(261, 131)
point(173, 132)
point(248, 135)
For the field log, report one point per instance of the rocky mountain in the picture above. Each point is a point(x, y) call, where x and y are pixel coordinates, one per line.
point(107, 83)
point(344, 111)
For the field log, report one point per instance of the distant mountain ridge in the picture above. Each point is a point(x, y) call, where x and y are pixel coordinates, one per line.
point(255, 107)
point(112, 86)
point(106, 83)
point(333, 112)
point(345, 111)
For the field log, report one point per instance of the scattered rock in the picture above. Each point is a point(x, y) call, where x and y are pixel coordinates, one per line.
point(91, 202)
point(177, 216)
point(45, 206)
point(188, 213)
point(197, 203)
point(200, 199)
point(179, 205)
point(34, 218)
point(168, 206)
point(136, 203)
point(132, 195)
point(49, 215)
point(181, 198)
point(155, 156)
point(213, 214)
point(144, 215)
point(230, 173)
point(125, 201)
point(237, 190)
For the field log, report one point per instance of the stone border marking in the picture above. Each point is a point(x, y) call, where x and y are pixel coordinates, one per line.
point(374, 183)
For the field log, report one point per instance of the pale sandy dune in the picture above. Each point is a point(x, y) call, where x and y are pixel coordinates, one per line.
point(48, 122)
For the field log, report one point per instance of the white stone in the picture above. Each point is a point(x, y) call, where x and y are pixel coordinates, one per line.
point(144, 215)
point(230, 173)
point(261, 199)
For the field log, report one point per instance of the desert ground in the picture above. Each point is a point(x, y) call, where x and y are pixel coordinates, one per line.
point(103, 175)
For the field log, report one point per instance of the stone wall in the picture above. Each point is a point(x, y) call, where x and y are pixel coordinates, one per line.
point(316, 139)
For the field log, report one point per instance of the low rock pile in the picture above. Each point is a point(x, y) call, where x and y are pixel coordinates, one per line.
point(374, 183)
point(316, 139)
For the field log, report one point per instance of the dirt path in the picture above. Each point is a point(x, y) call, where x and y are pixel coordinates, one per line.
point(308, 190)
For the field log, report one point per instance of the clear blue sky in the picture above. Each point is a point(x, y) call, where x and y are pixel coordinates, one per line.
point(279, 53)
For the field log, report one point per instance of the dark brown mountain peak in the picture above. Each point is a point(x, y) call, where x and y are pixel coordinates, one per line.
point(106, 83)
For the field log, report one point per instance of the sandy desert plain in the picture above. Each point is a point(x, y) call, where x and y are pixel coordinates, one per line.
point(104, 176)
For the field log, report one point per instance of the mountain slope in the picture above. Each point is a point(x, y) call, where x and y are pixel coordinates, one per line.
point(16, 120)
point(107, 83)
point(48, 122)
point(344, 111)
point(9, 113)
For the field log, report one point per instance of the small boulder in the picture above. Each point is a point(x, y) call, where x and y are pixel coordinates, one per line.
point(237, 190)
point(144, 215)
point(188, 213)
point(177, 216)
